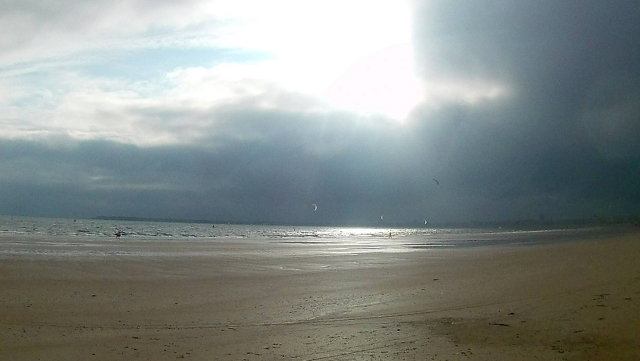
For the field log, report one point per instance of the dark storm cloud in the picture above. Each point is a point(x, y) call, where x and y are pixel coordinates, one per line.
point(355, 169)
point(565, 140)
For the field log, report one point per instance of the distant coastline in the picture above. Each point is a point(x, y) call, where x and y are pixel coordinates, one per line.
point(146, 219)
point(519, 224)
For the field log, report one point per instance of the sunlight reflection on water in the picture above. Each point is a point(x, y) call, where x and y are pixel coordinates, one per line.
point(45, 237)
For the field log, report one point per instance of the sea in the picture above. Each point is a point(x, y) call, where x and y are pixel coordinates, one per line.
point(68, 237)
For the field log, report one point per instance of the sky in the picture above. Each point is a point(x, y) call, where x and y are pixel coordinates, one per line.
point(375, 112)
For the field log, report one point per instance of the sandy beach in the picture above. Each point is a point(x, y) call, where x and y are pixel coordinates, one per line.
point(576, 300)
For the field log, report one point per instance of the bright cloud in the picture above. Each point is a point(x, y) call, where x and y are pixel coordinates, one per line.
point(82, 71)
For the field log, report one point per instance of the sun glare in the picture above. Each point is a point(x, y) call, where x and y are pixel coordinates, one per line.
point(354, 55)
point(383, 82)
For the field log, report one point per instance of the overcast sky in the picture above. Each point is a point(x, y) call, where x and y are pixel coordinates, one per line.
point(248, 110)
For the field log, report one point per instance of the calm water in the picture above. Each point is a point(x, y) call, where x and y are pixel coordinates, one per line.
point(28, 236)
point(89, 228)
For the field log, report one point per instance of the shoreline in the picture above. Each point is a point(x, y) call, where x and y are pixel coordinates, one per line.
point(41, 246)
point(560, 301)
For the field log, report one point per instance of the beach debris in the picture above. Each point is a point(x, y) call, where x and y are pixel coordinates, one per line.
point(499, 324)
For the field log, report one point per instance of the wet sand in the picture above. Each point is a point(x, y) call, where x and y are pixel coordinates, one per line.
point(566, 301)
